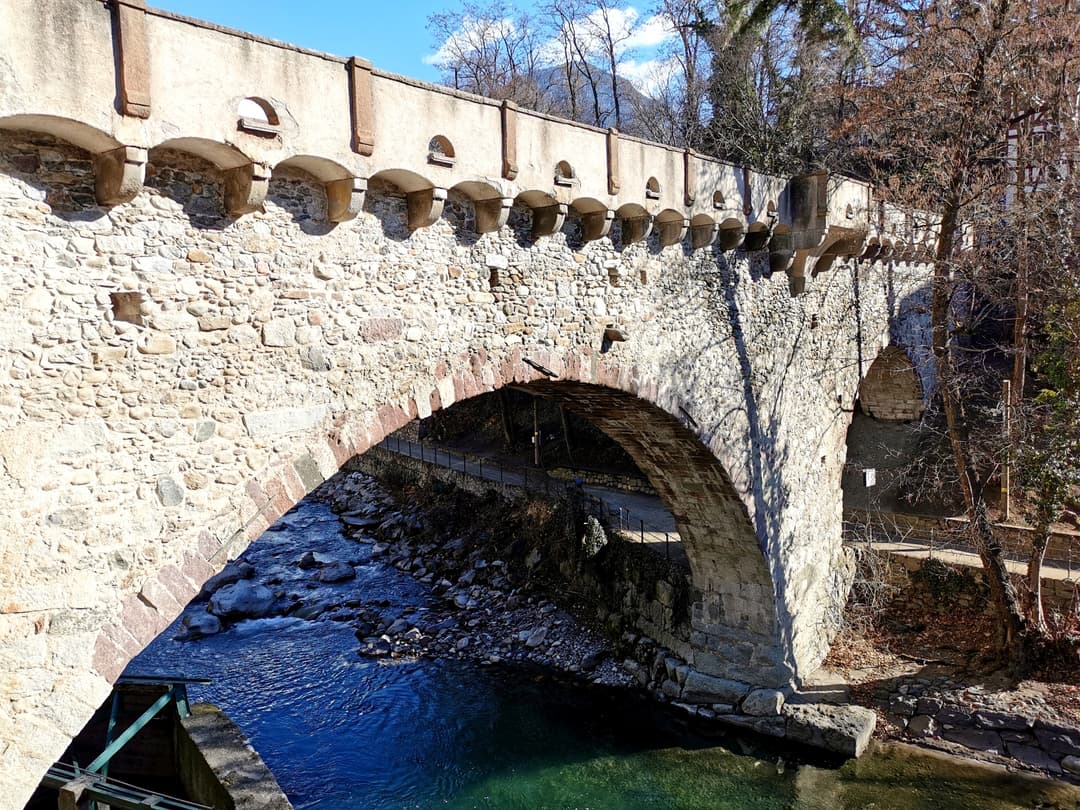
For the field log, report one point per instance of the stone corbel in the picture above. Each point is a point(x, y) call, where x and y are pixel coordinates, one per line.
point(672, 232)
point(872, 249)
point(424, 207)
point(636, 229)
point(701, 236)
point(596, 224)
point(245, 188)
point(345, 198)
point(838, 241)
point(492, 214)
point(797, 272)
point(548, 220)
point(119, 174)
point(781, 249)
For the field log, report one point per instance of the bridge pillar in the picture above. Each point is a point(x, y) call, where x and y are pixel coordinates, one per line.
point(492, 214)
point(548, 219)
point(245, 188)
point(424, 207)
point(345, 198)
point(119, 174)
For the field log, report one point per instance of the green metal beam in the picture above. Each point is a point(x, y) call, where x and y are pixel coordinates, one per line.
point(110, 750)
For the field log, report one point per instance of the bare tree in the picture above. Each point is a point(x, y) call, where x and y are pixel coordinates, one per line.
point(937, 122)
point(483, 50)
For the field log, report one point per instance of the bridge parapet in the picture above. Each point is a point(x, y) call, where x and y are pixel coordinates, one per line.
point(119, 79)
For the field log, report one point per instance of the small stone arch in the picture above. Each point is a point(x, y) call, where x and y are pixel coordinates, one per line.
point(119, 170)
point(491, 208)
point(703, 230)
point(423, 199)
point(635, 223)
point(891, 390)
point(718, 200)
point(565, 174)
point(245, 181)
point(257, 116)
point(596, 218)
point(729, 233)
point(441, 151)
point(344, 192)
point(548, 214)
point(652, 189)
point(671, 227)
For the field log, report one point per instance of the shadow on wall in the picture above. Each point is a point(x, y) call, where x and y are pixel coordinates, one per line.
point(61, 173)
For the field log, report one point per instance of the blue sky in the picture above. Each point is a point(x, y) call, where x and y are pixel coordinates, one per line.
point(393, 35)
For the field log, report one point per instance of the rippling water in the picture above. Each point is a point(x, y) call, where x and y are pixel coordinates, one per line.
point(340, 731)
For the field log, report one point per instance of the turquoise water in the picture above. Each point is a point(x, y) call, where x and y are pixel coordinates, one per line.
point(341, 731)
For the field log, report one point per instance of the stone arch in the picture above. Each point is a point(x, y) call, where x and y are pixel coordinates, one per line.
point(595, 218)
point(244, 181)
point(670, 226)
point(423, 199)
point(703, 230)
point(84, 136)
point(730, 233)
point(891, 390)
point(491, 208)
point(548, 214)
point(635, 223)
point(344, 192)
point(118, 170)
point(734, 615)
point(441, 151)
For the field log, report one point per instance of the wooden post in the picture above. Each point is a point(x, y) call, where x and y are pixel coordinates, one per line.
point(1006, 401)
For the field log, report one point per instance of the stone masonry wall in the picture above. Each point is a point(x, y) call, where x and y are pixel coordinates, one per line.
point(171, 381)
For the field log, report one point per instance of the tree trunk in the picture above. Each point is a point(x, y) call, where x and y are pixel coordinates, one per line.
point(1036, 616)
point(504, 419)
point(566, 434)
point(1012, 628)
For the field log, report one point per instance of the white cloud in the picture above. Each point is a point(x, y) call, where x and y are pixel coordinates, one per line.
point(652, 33)
point(651, 75)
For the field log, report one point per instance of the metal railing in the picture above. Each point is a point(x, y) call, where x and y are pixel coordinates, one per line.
point(942, 541)
point(630, 526)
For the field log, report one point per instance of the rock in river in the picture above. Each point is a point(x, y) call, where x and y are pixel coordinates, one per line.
point(242, 600)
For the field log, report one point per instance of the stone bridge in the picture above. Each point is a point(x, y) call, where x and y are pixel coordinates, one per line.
point(229, 265)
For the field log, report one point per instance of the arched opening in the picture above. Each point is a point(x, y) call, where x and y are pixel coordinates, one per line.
point(891, 390)
point(718, 201)
point(884, 439)
point(479, 205)
point(670, 227)
point(257, 116)
point(539, 214)
point(192, 182)
point(730, 233)
point(55, 172)
point(403, 196)
point(564, 174)
point(440, 151)
point(635, 224)
point(652, 189)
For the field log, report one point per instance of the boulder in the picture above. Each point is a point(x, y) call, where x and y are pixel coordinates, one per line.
point(922, 725)
point(763, 703)
point(536, 638)
point(233, 572)
point(242, 600)
point(843, 729)
point(197, 625)
point(338, 571)
point(702, 688)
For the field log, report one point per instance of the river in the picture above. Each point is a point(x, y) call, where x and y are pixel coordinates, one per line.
point(343, 731)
